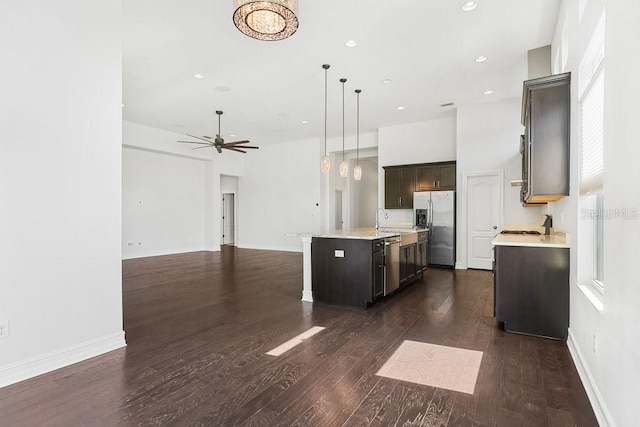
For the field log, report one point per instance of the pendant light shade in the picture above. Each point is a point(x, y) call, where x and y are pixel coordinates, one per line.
point(357, 173)
point(325, 164)
point(344, 167)
point(357, 170)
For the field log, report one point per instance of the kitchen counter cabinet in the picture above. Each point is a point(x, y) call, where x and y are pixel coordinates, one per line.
point(347, 272)
point(531, 290)
point(408, 269)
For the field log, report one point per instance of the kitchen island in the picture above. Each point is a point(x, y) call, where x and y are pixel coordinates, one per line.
point(358, 267)
point(531, 284)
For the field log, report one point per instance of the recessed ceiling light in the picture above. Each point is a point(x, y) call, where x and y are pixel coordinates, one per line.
point(468, 6)
point(198, 76)
point(351, 43)
point(304, 122)
point(481, 59)
point(233, 135)
point(386, 81)
point(400, 108)
point(487, 92)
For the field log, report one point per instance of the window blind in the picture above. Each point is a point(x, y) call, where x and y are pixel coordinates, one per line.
point(592, 131)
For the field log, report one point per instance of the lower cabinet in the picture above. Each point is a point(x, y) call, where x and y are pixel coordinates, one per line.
point(407, 263)
point(531, 290)
point(421, 251)
point(347, 271)
point(378, 272)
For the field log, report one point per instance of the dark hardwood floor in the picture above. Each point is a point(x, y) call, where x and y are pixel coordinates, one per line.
point(198, 326)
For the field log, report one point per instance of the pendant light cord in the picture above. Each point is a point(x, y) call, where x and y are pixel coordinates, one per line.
point(343, 81)
point(358, 126)
point(326, 67)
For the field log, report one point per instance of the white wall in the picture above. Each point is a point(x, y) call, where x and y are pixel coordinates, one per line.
point(280, 196)
point(365, 192)
point(488, 139)
point(611, 375)
point(421, 142)
point(179, 183)
point(163, 204)
point(60, 166)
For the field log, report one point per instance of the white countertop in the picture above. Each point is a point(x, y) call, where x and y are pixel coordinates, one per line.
point(554, 240)
point(365, 233)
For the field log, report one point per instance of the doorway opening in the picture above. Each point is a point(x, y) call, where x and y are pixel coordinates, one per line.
point(228, 219)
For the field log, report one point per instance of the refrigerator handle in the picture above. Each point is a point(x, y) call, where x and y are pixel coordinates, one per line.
point(430, 218)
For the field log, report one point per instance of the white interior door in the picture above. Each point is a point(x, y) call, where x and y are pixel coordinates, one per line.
point(484, 217)
point(228, 219)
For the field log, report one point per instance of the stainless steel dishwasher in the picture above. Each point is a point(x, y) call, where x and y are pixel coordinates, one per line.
point(391, 264)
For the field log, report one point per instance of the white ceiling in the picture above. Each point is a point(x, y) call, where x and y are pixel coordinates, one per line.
point(426, 47)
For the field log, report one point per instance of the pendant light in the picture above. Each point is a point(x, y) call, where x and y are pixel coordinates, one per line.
point(325, 164)
point(357, 170)
point(344, 167)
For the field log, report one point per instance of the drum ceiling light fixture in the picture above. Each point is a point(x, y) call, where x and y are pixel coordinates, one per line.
point(268, 20)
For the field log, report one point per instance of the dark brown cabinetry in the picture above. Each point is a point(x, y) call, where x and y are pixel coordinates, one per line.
point(436, 176)
point(347, 271)
point(531, 290)
point(400, 182)
point(407, 263)
point(399, 185)
point(545, 144)
point(421, 251)
point(378, 269)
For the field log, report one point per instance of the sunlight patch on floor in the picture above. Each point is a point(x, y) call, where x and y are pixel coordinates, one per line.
point(434, 365)
point(283, 348)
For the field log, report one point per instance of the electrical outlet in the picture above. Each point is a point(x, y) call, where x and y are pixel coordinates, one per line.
point(4, 329)
point(595, 344)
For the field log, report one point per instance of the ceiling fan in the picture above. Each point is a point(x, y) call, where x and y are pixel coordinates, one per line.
point(218, 143)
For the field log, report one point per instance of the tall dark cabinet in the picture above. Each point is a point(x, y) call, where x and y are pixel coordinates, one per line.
point(545, 144)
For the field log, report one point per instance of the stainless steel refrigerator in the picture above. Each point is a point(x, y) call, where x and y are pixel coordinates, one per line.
point(437, 211)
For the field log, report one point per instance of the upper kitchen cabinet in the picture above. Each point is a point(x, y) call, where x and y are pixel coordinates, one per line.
point(399, 185)
point(546, 118)
point(436, 176)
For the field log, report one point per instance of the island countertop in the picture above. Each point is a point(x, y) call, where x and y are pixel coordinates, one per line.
point(554, 240)
point(366, 233)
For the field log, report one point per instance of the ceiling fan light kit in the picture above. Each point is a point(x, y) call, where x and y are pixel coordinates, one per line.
point(219, 143)
point(268, 20)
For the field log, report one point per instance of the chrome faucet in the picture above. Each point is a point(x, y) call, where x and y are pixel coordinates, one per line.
point(386, 216)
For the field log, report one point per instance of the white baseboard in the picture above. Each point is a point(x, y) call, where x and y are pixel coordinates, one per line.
point(460, 266)
point(597, 402)
point(29, 368)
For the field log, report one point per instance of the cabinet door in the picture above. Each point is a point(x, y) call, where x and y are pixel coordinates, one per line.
point(378, 275)
point(426, 178)
point(391, 188)
point(421, 256)
point(407, 186)
point(447, 178)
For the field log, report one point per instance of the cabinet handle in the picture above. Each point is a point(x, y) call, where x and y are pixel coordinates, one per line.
point(400, 200)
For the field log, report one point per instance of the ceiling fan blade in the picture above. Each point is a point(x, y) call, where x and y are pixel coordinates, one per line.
point(237, 142)
point(234, 149)
point(196, 142)
point(205, 146)
point(201, 139)
point(246, 146)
